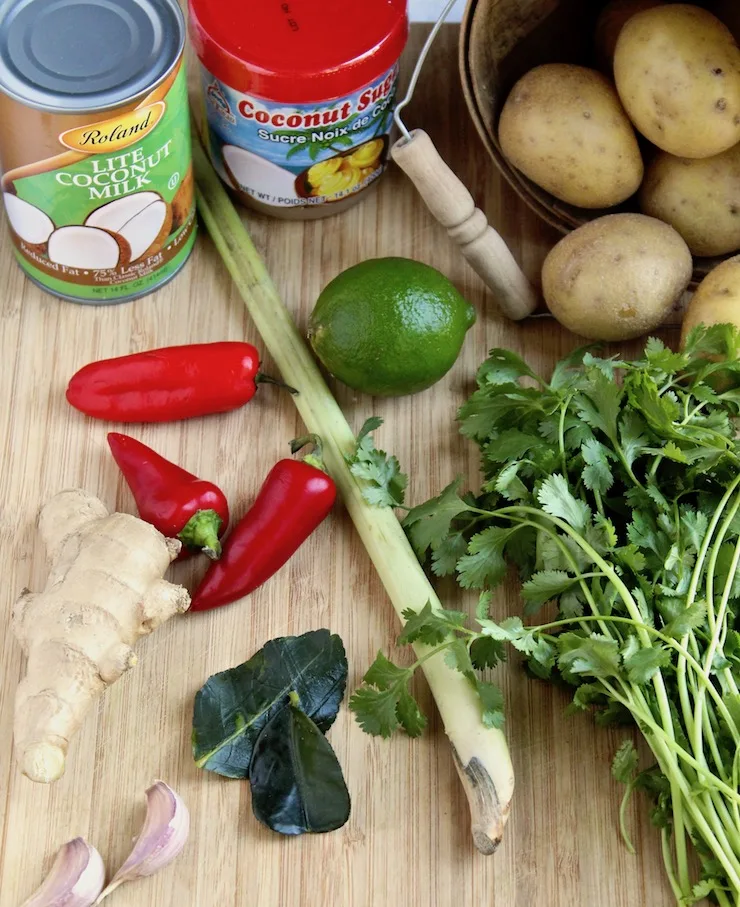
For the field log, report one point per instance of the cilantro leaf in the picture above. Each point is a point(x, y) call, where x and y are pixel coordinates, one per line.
point(449, 551)
point(606, 366)
point(385, 483)
point(643, 532)
point(625, 763)
point(686, 620)
point(512, 444)
point(376, 710)
point(486, 652)
point(701, 891)
point(586, 695)
point(597, 474)
point(660, 357)
point(503, 367)
point(368, 426)
point(557, 499)
point(562, 374)
point(642, 664)
point(492, 703)
point(544, 586)
point(509, 629)
point(658, 411)
point(572, 603)
point(410, 716)
point(721, 340)
point(670, 450)
point(632, 437)
point(484, 564)
point(509, 484)
point(457, 657)
point(383, 674)
point(384, 702)
point(629, 556)
point(429, 626)
point(596, 655)
point(483, 608)
point(599, 403)
point(489, 408)
point(429, 523)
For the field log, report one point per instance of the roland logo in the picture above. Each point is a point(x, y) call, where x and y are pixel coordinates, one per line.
point(120, 132)
point(116, 133)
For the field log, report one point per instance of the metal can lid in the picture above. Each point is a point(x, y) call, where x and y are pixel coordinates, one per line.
point(82, 55)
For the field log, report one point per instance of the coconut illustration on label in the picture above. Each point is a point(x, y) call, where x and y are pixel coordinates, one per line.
point(88, 248)
point(143, 219)
point(100, 202)
point(30, 223)
point(245, 169)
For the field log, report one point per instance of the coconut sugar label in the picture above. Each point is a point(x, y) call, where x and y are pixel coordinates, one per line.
point(300, 155)
point(110, 214)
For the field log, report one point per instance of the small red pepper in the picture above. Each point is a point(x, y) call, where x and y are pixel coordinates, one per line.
point(295, 497)
point(171, 499)
point(173, 382)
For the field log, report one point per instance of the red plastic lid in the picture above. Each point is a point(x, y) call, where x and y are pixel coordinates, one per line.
point(298, 51)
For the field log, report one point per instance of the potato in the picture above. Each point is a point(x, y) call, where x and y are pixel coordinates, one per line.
point(609, 24)
point(698, 197)
point(616, 277)
point(716, 300)
point(564, 128)
point(677, 71)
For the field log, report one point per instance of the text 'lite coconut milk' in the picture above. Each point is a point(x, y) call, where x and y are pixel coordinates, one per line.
point(95, 152)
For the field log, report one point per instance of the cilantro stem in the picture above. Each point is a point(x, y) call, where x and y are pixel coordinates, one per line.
point(713, 643)
point(561, 433)
point(704, 819)
point(665, 841)
point(675, 777)
point(669, 641)
point(722, 898)
point(623, 817)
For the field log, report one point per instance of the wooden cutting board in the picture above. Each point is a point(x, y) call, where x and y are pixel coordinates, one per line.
point(407, 842)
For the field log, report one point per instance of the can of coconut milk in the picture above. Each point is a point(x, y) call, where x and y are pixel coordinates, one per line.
point(95, 153)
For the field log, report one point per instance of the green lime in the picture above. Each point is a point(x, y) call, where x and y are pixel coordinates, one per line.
point(389, 326)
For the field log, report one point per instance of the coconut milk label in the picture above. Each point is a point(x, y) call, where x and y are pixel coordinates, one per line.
point(112, 215)
point(303, 154)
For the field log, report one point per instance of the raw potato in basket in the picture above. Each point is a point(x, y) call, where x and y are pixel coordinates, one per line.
point(700, 197)
point(616, 277)
point(716, 300)
point(611, 20)
point(563, 126)
point(677, 70)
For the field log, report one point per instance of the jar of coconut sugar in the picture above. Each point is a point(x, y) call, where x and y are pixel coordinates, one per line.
point(299, 98)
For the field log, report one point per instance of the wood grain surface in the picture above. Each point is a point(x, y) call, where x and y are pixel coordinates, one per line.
point(407, 842)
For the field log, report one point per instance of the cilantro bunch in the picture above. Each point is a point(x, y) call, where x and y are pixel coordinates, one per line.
point(614, 491)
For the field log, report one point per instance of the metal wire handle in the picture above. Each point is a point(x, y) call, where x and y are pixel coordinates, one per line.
point(419, 64)
point(454, 207)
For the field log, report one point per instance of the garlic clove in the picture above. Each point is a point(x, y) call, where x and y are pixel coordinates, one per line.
point(75, 879)
point(162, 837)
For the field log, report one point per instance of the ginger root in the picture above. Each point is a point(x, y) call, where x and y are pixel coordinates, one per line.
point(104, 590)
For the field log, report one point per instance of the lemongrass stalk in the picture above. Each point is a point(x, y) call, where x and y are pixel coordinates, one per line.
point(481, 754)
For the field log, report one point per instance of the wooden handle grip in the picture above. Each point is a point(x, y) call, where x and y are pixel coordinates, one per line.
point(453, 206)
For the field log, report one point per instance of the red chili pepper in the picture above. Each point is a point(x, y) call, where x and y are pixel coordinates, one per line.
point(174, 382)
point(171, 499)
point(295, 497)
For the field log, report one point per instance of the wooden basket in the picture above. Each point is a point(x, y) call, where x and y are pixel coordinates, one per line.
point(500, 40)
